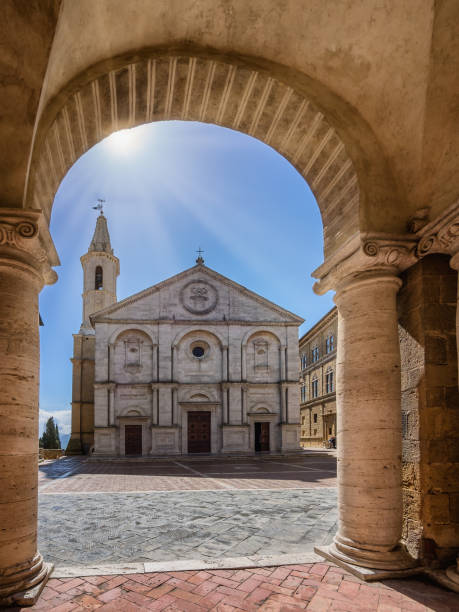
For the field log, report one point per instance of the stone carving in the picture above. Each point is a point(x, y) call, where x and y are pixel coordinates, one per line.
point(365, 254)
point(24, 236)
point(11, 234)
point(397, 251)
point(199, 297)
point(442, 235)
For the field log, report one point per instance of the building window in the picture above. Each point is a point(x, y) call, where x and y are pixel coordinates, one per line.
point(304, 361)
point(315, 388)
point(315, 354)
point(315, 418)
point(329, 382)
point(99, 278)
point(303, 392)
point(332, 343)
point(199, 349)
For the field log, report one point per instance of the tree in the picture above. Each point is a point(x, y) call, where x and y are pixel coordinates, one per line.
point(50, 437)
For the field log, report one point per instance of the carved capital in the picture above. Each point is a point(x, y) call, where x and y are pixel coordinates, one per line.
point(25, 243)
point(366, 253)
point(441, 235)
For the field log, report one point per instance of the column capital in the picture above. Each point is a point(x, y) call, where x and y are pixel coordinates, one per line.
point(366, 256)
point(441, 235)
point(25, 242)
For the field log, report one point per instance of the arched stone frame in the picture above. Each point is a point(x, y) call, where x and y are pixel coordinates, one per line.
point(197, 330)
point(143, 329)
point(245, 340)
point(260, 413)
point(281, 107)
point(126, 417)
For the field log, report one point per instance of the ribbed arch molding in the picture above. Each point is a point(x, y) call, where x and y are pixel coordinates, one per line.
point(211, 91)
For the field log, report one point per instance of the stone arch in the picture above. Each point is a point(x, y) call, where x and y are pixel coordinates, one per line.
point(196, 330)
point(248, 335)
point(130, 91)
point(132, 411)
point(142, 329)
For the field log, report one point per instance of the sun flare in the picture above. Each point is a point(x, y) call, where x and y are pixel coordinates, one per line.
point(123, 142)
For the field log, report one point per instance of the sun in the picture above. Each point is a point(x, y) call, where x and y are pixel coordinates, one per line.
point(123, 142)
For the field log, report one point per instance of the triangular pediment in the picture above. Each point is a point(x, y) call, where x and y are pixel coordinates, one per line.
point(198, 293)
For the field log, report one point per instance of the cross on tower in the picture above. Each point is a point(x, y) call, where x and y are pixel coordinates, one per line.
point(200, 260)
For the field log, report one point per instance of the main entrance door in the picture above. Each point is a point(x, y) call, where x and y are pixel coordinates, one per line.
point(133, 439)
point(261, 437)
point(199, 432)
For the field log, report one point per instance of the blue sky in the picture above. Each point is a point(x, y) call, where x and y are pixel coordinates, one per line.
point(170, 188)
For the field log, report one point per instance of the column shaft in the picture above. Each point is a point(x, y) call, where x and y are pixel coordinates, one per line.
point(369, 424)
point(21, 566)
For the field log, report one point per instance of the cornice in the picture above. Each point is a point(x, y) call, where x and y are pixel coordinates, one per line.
point(385, 253)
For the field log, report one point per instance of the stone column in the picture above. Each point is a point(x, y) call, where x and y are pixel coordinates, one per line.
point(244, 362)
point(26, 251)
point(224, 404)
point(283, 375)
point(369, 424)
point(224, 363)
point(244, 390)
point(111, 404)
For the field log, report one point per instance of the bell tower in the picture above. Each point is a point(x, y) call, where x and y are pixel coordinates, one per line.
point(100, 271)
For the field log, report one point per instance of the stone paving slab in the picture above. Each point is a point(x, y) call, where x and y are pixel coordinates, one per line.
point(314, 586)
point(72, 475)
point(166, 526)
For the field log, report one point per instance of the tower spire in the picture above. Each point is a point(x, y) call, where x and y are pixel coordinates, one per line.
point(101, 239)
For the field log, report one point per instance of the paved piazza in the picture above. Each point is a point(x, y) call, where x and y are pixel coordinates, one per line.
point(152, 511)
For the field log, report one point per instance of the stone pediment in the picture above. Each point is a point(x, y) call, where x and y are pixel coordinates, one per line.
point(198, 293)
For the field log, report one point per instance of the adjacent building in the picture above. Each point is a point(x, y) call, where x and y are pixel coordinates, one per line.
point(194, 364)
point(318, 381)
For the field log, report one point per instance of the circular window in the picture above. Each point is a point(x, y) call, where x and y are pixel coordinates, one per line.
point(198, 351)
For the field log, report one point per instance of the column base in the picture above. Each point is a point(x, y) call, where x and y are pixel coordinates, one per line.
point(400, 566)
point(29, 587)
point(446, 578)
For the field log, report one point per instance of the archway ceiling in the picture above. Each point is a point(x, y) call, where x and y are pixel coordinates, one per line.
point(211, 91)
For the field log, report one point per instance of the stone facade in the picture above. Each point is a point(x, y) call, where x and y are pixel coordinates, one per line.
point(196, 363)
point(318, 381)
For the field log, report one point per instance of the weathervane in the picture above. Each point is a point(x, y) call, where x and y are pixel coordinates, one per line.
point(100, 206)
point(200, 260)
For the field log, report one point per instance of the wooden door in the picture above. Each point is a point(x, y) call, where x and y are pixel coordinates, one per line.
point(133, 439)
point(261, 437)
point(199, 432)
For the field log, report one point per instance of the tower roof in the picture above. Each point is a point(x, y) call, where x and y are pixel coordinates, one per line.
point(101, 238)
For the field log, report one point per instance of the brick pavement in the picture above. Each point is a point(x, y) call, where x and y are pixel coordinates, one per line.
point(316, 587)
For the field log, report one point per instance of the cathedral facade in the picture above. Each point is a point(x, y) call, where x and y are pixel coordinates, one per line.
point(194, 364)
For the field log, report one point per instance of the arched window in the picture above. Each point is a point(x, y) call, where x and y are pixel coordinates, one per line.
point(99, 278)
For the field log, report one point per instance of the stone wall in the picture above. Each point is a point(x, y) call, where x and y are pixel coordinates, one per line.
point(430, 407)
